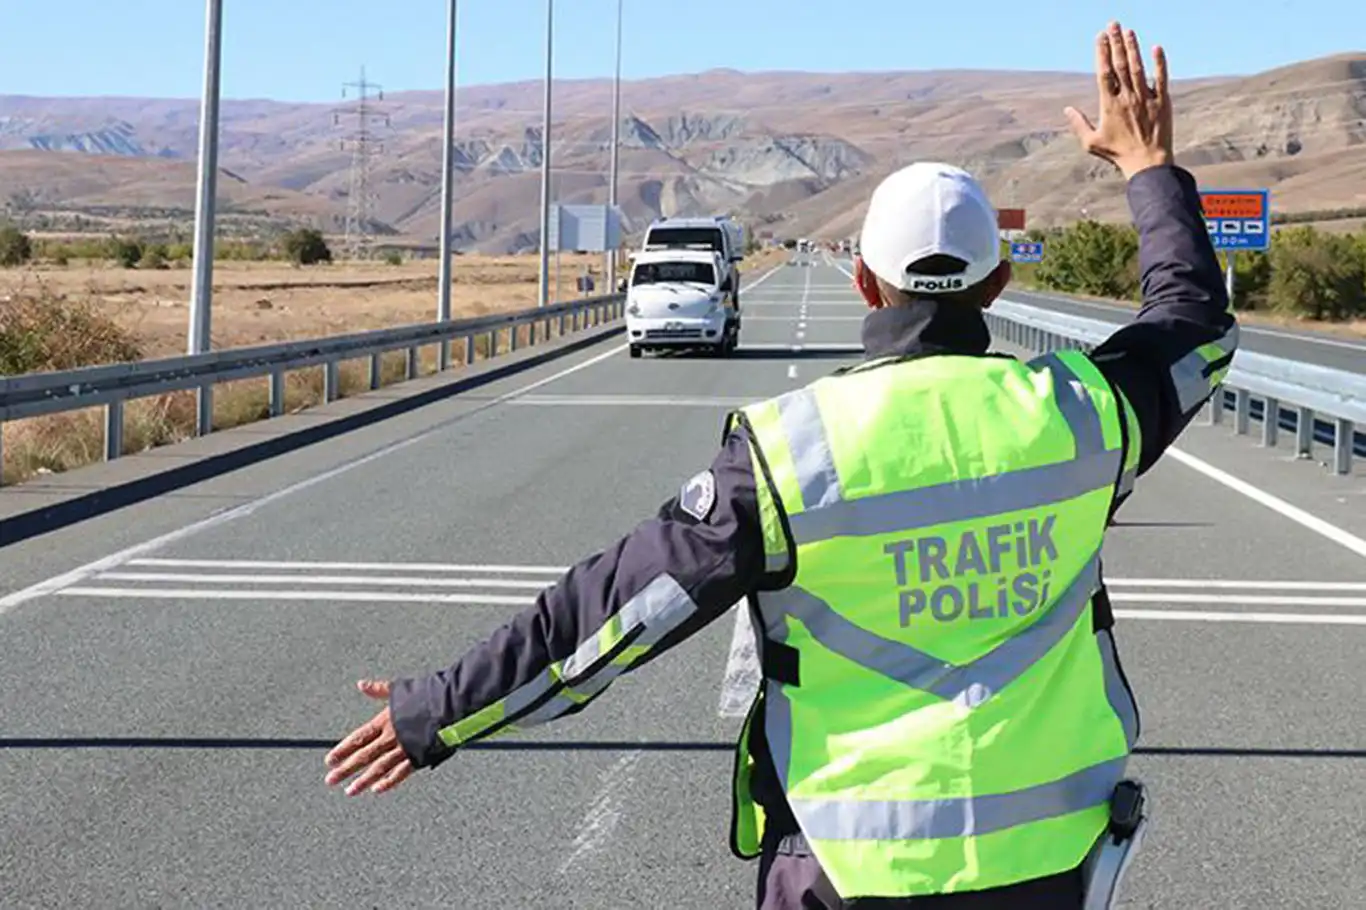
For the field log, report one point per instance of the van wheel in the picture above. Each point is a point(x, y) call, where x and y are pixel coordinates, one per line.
point(635, 352)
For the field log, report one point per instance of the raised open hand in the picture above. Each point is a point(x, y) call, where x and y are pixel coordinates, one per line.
point(1135, 130)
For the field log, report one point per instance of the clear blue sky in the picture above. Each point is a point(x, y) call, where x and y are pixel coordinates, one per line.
point(303, 50)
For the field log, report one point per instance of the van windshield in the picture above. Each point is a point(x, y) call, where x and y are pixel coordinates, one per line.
point(672, 238)
point(654, 272)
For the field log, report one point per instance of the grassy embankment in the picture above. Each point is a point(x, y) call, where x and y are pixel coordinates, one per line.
point(87, 313)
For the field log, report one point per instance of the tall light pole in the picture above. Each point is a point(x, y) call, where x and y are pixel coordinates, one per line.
point(443, 297)
point(544, 289)
point(199, 337)
point(611, 284)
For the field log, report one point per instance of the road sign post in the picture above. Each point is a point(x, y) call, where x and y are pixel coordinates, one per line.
point(1237, 220)
point(1026, 251)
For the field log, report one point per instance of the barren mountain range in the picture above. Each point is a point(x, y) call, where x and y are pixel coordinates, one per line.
point(791, 153)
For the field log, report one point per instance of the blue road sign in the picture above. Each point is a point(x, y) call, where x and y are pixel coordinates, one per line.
point(1237, 219)
point(1023, 251)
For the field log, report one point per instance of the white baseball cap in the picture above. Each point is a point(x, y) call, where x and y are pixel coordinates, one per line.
point(926, 209)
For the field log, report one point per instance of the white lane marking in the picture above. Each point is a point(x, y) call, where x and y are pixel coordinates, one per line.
point(541, 585)
point(761, 279)
point(614, 401)
point(801, 335)
point(406, 581)
point(1311, 619)
point(347, 566)
point(497, 600)
point(741, 679)
point(510, 569)
point(1249, 599)
point(1250, 585)
point(81, 573)
point(834, 347)
point(804, 319)
point(1275, 503)
point(792, 371)
point(267, 595)
point(839, 304)
point(606, 810)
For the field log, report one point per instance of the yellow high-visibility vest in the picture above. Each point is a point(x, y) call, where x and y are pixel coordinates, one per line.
point(942, 714)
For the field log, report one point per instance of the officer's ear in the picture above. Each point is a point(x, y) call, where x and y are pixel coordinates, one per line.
point(994, 285)
point(865, 282)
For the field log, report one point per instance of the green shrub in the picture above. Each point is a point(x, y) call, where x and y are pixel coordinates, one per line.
point(306, 246)
point(15, 247)
point(154, 257)
point(1092, 258)
point(1307, 273)
point(126, 251)
point(42, 331)
point(1317, 275)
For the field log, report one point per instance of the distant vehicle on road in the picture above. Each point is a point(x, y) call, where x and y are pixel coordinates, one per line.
point(719, 233)
point(681, 298)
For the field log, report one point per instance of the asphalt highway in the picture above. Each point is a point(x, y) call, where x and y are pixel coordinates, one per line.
point(171, 674)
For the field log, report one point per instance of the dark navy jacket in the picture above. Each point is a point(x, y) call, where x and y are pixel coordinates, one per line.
point(676, 572)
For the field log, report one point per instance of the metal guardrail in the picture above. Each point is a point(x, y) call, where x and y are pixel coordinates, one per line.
point(1318, 403)
point(35, 394)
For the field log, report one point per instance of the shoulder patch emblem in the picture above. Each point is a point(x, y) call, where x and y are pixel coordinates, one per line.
point(698, 495)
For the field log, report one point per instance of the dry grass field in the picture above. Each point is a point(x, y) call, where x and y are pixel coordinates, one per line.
point(101, 313)
point(258, 303)
point(111, 313)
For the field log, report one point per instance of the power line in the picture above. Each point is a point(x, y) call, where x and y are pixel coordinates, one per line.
point(364, 147)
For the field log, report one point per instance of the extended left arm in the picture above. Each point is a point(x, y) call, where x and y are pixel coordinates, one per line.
point(611, 613)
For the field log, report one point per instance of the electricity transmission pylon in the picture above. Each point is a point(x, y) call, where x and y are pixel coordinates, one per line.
point(364, 147)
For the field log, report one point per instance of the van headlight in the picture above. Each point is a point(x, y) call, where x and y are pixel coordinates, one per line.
point(633, 309)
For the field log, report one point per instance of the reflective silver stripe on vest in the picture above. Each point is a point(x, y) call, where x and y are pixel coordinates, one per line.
point(1074, 401)
point(968, 684)
point(800, 417)
point(962, 817)
point(777, 710)
point(661, 606)
point(1188, 373)
point(1126, 481)
point(827, 515)
point(1116, 690)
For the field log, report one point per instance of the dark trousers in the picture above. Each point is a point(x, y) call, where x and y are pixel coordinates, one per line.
point(791, 879)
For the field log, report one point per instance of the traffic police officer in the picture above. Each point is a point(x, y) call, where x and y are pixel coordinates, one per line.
point(943, 717)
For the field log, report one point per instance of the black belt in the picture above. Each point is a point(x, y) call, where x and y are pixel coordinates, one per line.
point(793, 845)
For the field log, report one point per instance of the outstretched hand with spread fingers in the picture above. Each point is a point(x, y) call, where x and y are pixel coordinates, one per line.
point(372, 749)
point(1135, 129)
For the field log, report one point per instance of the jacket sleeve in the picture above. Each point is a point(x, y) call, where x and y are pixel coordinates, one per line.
point(609, 614)
point(1167, 362)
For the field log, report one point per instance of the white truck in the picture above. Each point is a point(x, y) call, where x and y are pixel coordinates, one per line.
point(676, 299)
point(719, 234)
